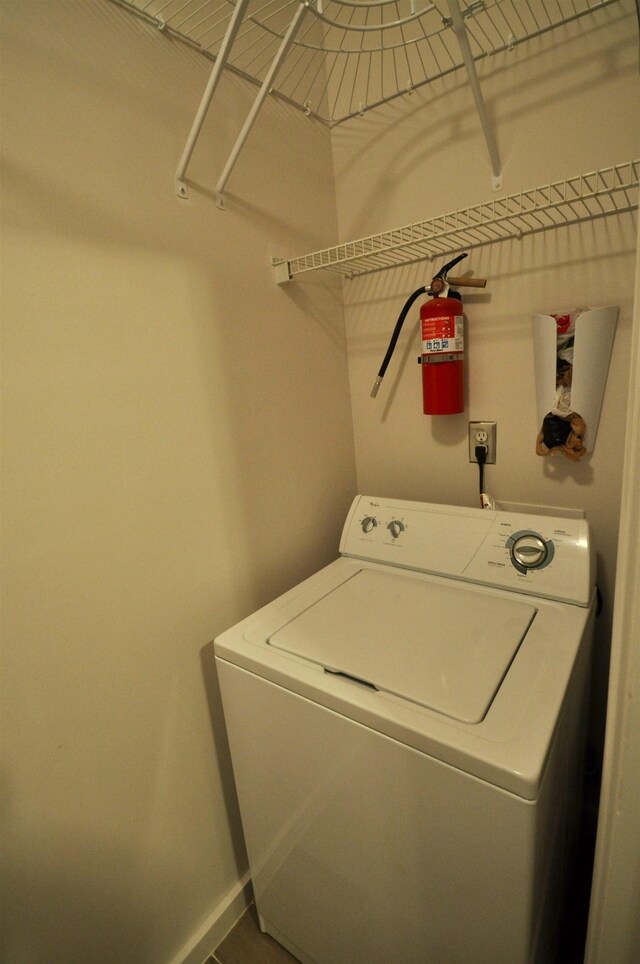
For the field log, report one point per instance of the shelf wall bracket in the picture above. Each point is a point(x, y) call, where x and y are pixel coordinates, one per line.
point(457, 23)
point(281, 270)
point(267, 84)
point(207, 97)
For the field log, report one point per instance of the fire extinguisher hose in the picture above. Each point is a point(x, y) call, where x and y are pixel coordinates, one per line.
point(395, 336)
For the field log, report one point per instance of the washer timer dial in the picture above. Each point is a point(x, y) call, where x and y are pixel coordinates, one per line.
point(368, 523)
point(528, 550)
point(395, 527)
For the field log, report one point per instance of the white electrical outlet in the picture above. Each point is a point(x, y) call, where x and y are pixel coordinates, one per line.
point(482, 433)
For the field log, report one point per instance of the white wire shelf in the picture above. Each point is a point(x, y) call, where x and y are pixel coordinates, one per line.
point(349, 56)
point(585, 197)
point(337, 59)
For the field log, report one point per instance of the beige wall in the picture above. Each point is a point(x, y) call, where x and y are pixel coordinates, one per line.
point(177, 449)
point(563, 104)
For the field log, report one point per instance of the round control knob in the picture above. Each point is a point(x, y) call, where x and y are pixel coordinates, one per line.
point(395, 527)
point(368, 523)
point(529, 551)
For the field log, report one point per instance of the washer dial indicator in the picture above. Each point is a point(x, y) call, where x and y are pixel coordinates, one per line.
point(395, 527)
point(369, 523)
point(528, 550)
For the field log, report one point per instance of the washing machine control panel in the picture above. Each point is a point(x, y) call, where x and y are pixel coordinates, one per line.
point(549, 556)
point(393, 527)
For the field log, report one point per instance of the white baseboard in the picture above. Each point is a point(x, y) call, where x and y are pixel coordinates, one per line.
point(203, 943)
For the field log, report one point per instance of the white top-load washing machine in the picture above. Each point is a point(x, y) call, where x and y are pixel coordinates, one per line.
point(406, 736)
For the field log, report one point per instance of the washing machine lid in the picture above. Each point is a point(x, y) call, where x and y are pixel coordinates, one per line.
point(445, 648)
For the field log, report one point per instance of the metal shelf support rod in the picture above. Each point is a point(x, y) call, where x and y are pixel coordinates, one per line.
point(267, 83)
point(457, 23)
point(218, 67)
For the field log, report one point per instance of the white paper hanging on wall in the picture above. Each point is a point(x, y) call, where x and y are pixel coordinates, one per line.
point(594, 331)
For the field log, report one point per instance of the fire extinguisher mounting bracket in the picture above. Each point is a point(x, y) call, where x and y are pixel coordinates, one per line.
point(438, 359)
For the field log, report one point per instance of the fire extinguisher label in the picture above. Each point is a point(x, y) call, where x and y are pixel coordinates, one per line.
point(443, 334)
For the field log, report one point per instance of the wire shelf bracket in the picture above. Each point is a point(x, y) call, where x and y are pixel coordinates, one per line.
point(207, 97)
point(585, 197)
point(267, 83)
point(457, 23)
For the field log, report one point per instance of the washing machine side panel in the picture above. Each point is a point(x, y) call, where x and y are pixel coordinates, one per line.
point(363, 849)
point(560, 807)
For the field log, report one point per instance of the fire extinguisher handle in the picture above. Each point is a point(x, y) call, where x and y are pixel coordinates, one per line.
point(442, 273)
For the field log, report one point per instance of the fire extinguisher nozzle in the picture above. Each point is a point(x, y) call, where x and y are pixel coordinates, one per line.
point(376, 386)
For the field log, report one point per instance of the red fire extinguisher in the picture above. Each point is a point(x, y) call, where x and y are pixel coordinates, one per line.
point(442, 357)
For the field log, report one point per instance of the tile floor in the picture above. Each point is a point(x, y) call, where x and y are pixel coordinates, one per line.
point(246, 944)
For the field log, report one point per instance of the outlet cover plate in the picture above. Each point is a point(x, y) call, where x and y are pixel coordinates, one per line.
point(482, 427)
